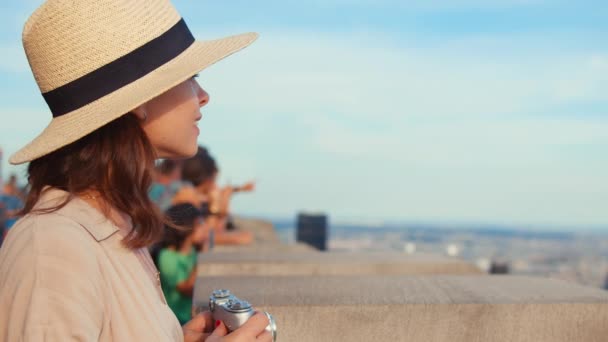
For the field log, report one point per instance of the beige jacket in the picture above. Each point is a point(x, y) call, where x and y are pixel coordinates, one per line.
point(65, 276)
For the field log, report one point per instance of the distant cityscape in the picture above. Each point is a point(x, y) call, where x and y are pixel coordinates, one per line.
point(575, 257)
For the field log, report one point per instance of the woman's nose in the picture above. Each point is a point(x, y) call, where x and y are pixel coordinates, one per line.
point(203, 97)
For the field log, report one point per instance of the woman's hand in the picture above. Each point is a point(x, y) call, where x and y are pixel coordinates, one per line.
point(198, 328)
point(201, 328)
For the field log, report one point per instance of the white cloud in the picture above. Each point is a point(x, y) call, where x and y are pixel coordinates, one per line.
point(372, 79)
point(460, 130)
point(599, 63)
point(406, 129)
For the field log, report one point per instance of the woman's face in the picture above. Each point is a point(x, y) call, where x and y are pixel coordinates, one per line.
point(172, 118)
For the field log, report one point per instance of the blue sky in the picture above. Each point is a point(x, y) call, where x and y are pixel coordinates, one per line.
point(440, 111)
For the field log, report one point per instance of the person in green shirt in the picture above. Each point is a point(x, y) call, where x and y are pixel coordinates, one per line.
point(177, 258)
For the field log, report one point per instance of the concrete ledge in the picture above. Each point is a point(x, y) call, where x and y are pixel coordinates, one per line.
point(264, 248)
point(422, 308)
point(328, 263)
point(263, 231)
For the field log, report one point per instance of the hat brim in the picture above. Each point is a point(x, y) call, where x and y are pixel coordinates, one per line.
point(68, 128)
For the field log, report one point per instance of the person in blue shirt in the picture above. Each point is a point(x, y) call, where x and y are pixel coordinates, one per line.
point(167, 182)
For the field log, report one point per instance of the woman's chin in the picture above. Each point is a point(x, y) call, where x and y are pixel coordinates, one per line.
point(178, 153)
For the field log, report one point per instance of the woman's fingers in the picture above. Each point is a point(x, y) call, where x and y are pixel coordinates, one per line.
point(220, 330)
point(254, 326)
point(203, 322)
point(266, 336)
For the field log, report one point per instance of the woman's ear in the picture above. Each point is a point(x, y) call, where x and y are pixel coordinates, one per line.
point(140, 112)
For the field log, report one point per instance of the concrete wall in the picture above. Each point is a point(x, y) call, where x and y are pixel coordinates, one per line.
point(263, 263)
point(422, 308)
point(263, 231)
point(380, 297)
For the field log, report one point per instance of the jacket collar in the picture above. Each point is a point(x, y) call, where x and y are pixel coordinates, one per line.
point(91, 219)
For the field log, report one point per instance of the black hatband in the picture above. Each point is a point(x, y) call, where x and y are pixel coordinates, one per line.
point(120, 72)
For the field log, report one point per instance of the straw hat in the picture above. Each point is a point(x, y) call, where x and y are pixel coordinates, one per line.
point(96, 60)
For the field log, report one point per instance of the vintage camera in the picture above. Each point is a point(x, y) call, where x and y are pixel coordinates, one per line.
point(226, 307)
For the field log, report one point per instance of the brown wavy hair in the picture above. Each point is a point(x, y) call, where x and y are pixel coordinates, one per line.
point(117, 161)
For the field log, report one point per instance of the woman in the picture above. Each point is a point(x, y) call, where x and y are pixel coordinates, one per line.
point(199, 175)
point(117, 76)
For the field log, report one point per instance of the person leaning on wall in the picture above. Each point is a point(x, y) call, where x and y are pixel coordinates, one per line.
point(199, 176)
point(177, 257)
point(117, 76)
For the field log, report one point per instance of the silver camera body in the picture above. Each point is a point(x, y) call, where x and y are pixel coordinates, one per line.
point(234, 312)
